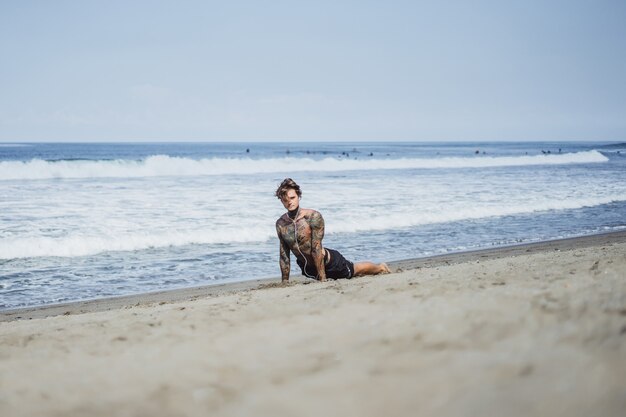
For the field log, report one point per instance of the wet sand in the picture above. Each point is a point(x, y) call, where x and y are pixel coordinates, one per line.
point(534, 329)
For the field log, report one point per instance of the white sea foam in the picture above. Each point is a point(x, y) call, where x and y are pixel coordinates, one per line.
point(162, 165)
point(79, 244)
point(454, 213)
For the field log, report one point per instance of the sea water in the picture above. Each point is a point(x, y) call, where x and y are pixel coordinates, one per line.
point(82, 221)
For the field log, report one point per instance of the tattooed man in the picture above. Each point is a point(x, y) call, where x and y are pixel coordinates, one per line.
point(301, 231)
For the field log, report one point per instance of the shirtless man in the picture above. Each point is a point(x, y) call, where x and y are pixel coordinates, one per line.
point(301, 231)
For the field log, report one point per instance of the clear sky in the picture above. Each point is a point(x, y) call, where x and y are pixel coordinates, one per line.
point(315, 70)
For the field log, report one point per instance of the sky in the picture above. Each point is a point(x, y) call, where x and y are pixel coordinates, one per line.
point(94, 71)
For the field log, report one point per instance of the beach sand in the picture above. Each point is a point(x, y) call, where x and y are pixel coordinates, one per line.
point(533, 330)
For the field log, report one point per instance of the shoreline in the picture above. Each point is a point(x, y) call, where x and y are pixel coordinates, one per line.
point(220, 289)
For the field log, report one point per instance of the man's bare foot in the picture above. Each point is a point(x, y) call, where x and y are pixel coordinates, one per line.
point(370, 268)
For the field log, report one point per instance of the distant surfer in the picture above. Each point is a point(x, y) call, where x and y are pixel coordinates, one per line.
point(301, 231)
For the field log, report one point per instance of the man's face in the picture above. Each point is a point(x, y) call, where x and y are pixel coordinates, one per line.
point(291, 201)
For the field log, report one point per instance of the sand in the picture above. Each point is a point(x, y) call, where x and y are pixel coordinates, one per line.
point(535, 330)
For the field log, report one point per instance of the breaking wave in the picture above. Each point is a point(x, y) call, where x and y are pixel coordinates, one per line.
point(163, 165)
point(77, 244)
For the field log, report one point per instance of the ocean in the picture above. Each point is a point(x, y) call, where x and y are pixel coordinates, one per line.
point(81, 221)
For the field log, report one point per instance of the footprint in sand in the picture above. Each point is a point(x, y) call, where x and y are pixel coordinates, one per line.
point(595, 268)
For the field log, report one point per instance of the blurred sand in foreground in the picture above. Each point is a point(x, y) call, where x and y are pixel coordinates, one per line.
point(537, 334)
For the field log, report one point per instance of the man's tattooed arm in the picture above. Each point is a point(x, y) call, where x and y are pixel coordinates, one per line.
point(317, 251)
point(285, 264)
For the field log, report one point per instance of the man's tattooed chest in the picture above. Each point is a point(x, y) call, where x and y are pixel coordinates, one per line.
point(300, 231)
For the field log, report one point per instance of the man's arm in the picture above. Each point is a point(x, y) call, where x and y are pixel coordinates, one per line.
point(317, 251)
point(285, 263)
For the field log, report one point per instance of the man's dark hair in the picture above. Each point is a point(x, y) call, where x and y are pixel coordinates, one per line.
point(285, 186)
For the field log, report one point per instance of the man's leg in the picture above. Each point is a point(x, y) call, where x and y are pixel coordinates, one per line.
point(369, 268)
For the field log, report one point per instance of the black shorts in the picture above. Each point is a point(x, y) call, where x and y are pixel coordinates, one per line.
point(337, 267)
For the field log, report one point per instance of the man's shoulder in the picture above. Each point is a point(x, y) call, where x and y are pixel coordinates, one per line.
point(311, 213)
point(313, 217)
point(281, 220)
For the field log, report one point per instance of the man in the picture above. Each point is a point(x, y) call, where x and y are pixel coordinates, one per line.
point(301, 231)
